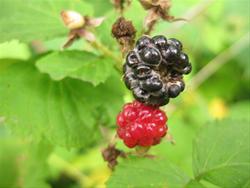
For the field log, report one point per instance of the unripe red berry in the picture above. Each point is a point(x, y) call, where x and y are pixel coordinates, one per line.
point(140, 125)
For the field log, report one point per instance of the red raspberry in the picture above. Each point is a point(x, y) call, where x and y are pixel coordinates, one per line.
point(141, 125)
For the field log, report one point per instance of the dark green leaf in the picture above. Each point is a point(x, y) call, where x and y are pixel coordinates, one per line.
point(221, 153)
point(143, 172)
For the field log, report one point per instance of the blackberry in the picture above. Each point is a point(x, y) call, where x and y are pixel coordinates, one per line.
point(150, 55)
point(143, 42)
point(160, 41)
point(154, 70)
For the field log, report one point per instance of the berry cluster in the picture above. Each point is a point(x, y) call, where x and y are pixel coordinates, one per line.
point(154, 70)
point(141, 125)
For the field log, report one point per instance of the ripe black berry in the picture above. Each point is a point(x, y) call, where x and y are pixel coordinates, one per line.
point(132, 59)
point(152, 84)
point(174, 90)
point(160, 41)
point(143, 72)
point(150, 56)
point(175, 42)
point(143, 42)
point(183, 59)
point(154, 70)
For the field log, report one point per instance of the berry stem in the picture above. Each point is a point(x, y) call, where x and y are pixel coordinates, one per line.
point(142, 150)
point(107, 52)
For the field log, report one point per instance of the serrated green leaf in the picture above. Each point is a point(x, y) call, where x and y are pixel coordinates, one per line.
point(36, 19)
point(221, 153)
point(143, 172)
point(63, 112)
point(80, 65)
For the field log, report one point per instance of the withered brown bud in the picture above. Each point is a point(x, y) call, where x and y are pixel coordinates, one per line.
point(110, 154)
point(161, 4)
point(124, 32)
point(156, 9)
point(123, 28)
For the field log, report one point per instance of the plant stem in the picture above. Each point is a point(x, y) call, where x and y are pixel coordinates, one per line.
point(107, 52)
point(218, 62)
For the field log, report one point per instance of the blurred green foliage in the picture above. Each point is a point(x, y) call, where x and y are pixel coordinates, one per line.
point(55, 121)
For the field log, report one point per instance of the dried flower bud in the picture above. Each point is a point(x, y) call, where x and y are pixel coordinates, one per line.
point(124, 32)
point(156, 9)
point(72, 19)
point(110, 154)
point(79, 26)
point(147, 4)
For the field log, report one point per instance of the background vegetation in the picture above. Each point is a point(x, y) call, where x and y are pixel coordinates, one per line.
point(58, 108)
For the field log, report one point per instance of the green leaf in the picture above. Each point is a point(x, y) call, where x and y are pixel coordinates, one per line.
point(24, 162)
point(144, 172)
point(8, 161)
point(63, 112)
point(14, 50)
point(240, 111)
point(38, 19)
point(221, 153)
point(36, 158)
point(103, 32)
point(100, 6)
point(194, 184)
point(76, 64)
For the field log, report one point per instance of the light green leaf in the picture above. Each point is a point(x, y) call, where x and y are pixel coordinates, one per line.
point(76, 64)
point(221, 153)
point(14, 50)
point(103, 32)
point(36, 19)
point(63, 112)
point(100, 6)
point(144, 172)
